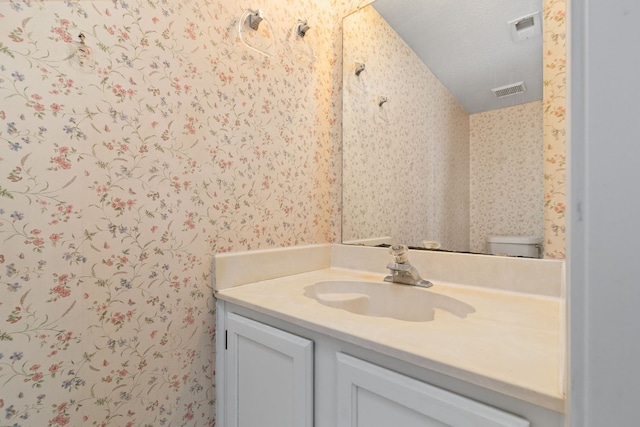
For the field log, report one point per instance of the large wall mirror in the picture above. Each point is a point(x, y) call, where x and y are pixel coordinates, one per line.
point(443, 123)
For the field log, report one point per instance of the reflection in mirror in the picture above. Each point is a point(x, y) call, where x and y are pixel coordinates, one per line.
point(442, 161)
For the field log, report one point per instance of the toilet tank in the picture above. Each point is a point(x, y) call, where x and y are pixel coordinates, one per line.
point(524, 246)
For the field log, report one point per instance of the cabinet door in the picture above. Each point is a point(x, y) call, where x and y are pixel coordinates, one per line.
point(372, 396)
point(269, 376)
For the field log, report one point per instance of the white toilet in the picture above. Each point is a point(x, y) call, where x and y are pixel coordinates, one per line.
point(524, 246)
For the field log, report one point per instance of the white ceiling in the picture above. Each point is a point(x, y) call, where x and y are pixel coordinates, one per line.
point(467, 44)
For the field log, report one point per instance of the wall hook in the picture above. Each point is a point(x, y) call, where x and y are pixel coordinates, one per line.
point(302, 28)
point(256, 33)
point(359, 68)
point(297, 46)
point(83, 51)
point(81, 55)
point(382, 112)
point(255, 18)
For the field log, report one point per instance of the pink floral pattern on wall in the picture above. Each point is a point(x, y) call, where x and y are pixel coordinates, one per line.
point(124, 171)
point(555, 86)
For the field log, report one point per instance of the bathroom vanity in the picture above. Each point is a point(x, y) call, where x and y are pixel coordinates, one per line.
point(312, 336)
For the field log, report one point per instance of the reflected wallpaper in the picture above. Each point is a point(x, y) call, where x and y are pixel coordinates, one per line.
point(507, 173)
point(420, 135)
point(377, 194)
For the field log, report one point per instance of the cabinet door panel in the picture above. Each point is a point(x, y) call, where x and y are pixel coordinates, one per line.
point(374, 410)
point(372, 396)
point(269, 376)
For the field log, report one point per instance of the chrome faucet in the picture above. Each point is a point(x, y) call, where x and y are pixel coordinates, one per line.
point(403, 272)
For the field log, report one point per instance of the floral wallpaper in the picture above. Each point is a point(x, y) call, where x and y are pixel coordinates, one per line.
point(507, 169)
point(555, 87)
point(419, 133)
point(128, 157)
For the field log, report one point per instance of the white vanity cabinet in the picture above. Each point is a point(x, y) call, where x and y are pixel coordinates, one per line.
point(268, 376)
point(372, 396)
point(277, 373)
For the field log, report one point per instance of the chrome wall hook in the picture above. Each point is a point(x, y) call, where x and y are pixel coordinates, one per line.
point(255, 18)
point(255, 32)
point(302, 28)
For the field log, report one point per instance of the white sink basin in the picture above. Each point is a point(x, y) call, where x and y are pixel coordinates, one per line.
point(381, 299)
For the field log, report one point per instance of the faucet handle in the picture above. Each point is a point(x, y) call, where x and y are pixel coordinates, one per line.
point(400, 253)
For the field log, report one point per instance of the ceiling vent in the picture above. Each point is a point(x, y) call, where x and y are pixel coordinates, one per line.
point(526, 27)
point(508, 90)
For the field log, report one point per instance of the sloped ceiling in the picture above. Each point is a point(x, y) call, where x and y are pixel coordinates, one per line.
point(468, 45)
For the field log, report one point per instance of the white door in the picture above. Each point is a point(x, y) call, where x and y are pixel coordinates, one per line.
point(372, 396)
point(269, 376)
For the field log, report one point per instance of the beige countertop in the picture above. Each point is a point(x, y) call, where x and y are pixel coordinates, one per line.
point(511, 343)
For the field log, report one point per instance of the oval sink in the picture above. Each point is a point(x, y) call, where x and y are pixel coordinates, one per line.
point(381, 299)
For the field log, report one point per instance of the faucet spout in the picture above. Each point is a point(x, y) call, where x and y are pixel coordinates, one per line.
point(402, 271)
